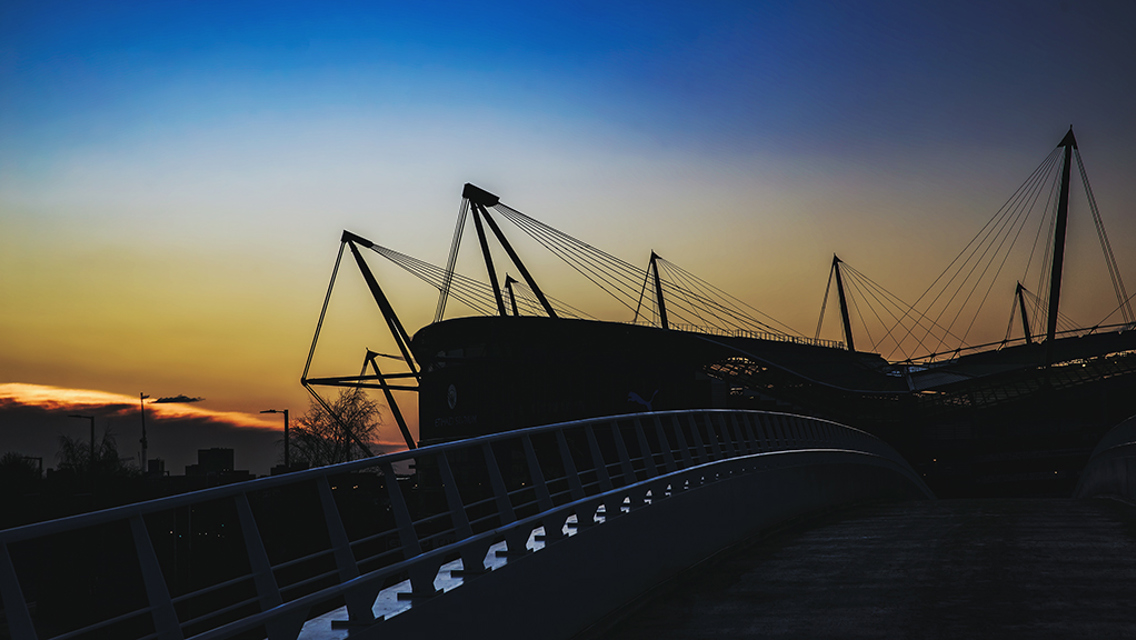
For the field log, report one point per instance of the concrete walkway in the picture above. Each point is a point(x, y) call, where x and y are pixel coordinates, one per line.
point(1044, 568)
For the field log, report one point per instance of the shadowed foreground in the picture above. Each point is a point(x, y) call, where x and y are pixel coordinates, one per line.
point(950, 568)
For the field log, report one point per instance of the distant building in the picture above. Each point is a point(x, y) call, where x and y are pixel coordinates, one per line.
point(216, 467)
point(279, 469)
point(213, 461)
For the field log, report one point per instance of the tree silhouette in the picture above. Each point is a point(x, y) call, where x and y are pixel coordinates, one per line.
point(75, 456)
point(18, 470)
point(319, 439)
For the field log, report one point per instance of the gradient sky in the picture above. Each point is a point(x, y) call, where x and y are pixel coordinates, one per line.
point(174, 176)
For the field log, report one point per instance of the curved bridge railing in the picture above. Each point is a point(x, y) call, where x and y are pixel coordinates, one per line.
point(1111, 470)
point(263, 558)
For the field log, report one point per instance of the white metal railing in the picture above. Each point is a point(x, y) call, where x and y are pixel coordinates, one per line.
point(268, 554)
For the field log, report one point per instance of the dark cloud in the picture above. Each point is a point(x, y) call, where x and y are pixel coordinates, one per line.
point(178, 398)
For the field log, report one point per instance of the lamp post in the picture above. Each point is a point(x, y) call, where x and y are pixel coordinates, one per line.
point(287, 464)
point(92, 419)
point(142, 408)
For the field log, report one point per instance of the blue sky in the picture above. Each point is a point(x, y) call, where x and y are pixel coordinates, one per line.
point(718, 76)
point(174, 176)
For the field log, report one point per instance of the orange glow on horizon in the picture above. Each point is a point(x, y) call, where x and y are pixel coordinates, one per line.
point(58, 398)
point(115, 404)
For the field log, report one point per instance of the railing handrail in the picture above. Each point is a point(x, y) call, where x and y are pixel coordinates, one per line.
point(492, 534)
point(699, 440)
point(122, 512)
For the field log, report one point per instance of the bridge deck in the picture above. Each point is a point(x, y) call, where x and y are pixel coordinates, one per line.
point(950, 568)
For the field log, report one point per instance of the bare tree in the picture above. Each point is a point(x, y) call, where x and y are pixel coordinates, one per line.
point(75, 455)
point(318, 438)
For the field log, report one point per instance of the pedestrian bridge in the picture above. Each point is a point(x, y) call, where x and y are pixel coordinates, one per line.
point(540, 532)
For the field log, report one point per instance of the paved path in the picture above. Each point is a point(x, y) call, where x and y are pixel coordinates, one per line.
point(944, 569)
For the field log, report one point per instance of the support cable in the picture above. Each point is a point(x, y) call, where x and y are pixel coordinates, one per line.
point(854, 289)
point(1005, 256)
point(920, 318)
point(1106, 247)
point(824, 302)
point(1040, 170)
point(998, 233)
point(787, 329)
point(1127, 300)
point(862, 286)
point(639, 303)
point(452, 261)
point(622, 275)
point(323, 311)
point(585, 269)
point(856, 307)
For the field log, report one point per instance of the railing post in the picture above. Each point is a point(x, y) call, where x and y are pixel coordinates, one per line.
point(359, 601)
point(683, 448)
point(472, 556)
point(753, 430)
point(645, 452)
point(516, 539)
point(421, 577)
point(268, 592)
point(777, 432)
point(458, 516)
point(699, 449)
point(729, 448)
point(624, 459)
point(543, 498)
point(598, 460)
point(763, 431)
point(505, 512)
point(740, 438)
point(575, 487)
point(798, 430)
point(711, 433)
point(553, 524)
point(16, 607)
point(613, 506)
point(161, 606)
point(668, 455)
point(740, 442)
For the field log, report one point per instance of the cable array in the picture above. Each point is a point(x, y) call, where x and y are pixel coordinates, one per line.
point(944, 316)
point(474, 294)
point(689, 300)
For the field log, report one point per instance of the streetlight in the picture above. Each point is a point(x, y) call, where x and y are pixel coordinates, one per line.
point(92, 419)
point(285, 412)
point(142, 407)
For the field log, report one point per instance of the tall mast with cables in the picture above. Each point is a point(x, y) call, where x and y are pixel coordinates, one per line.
point(659, 291)
point(1025, 318)
point(1070, 143)
point(843, 304)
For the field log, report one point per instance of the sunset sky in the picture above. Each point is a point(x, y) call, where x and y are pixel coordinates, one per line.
point(175, 176)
